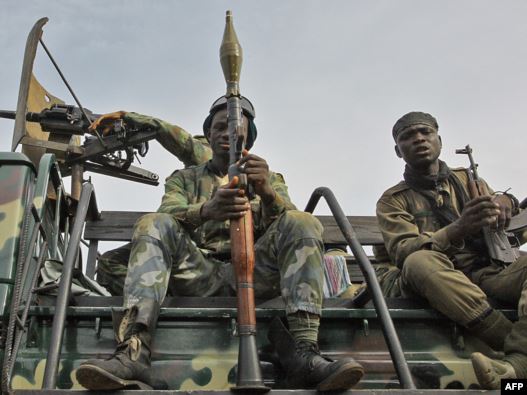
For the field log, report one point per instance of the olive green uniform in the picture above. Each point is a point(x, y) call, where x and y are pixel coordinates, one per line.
point(174, 249)
point(112, 266)
point(453, 278)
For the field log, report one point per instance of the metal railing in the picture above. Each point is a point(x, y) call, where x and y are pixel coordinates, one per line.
point(34, 249)
point(86, 202)
point(390, 335)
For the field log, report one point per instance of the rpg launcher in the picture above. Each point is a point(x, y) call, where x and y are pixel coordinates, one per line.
point(111, 155)
point(249, 378)
point(497, 241)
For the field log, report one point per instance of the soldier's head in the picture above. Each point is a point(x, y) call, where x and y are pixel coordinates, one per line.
point(215, 125)
point(417, 140)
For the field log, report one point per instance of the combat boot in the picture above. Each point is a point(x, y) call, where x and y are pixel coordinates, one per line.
point(489, 372)
point(306, 368)
point(129, 366)
point(492, 329)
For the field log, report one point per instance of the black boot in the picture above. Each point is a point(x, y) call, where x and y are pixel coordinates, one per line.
point(129, 366)
point(306, 368)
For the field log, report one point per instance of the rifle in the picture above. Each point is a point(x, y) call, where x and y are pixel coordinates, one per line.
point(497, 241)
point(111, 155)
point(249, 376)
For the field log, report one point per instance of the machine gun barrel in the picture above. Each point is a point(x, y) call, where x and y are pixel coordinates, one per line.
point(30, 116)
point(7, 114)
point(60, 118)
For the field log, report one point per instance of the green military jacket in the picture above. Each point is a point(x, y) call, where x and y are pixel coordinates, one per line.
point(187, 190)
point(189, 150)
point(408, 224)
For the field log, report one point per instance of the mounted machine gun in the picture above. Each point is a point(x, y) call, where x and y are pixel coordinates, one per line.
point(44, 123)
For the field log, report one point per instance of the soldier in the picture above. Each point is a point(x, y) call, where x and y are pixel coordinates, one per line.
point(432, 229)
point(112, 265)
point(185, 247)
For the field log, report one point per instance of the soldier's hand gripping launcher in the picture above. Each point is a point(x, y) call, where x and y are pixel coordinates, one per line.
point(249, 377)
point(496, 240)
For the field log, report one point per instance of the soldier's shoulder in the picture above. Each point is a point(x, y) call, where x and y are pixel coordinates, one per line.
point(458, 169)
point(398, 188)
point(460, 172)
point(187, 171)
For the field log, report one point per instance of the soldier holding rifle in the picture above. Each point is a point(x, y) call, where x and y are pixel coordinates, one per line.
point(185, 249)
point(433, 231)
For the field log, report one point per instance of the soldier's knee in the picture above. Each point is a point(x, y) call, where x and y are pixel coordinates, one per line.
point(155, 225)
point(300, 221)
point(418, 265)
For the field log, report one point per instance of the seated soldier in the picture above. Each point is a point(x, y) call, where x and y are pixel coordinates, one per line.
point(432, 232)
point(184, 247)
point(112, 265)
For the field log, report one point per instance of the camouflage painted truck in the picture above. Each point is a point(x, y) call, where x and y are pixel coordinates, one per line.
point(48, 329)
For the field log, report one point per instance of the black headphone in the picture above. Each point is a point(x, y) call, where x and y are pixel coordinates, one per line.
point(247, 110)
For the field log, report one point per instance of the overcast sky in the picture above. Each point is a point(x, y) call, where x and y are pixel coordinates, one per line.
point(328, 80)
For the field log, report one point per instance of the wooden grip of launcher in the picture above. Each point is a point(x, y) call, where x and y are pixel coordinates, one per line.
point(242, 251)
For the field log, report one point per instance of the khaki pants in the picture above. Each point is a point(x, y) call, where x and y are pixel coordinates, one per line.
point(431, 275)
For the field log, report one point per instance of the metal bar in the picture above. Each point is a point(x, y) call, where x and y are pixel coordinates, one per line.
point(32, 245)
point(57, 330)
point(92, 257)
point(133, 173)
point(71, 90)
point(25, 81)
point(55, 235)
point(34, 280)
point(25, 312)
point(391, 391)
point(66, 235)
point(392, 340)
point(52, 145)
point(77, 171)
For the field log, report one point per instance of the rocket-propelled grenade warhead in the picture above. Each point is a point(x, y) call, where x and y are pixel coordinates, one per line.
point(231, 57)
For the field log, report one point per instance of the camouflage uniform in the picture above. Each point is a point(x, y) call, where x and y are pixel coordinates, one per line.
point(189, 150)
point(174, 250)
point(453, 278)
point(112, 266)
point(207, 245)
point(413, 237)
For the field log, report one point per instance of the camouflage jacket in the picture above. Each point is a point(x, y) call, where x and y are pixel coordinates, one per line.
point(408, 224)
point(189, 150)
point(187, 190)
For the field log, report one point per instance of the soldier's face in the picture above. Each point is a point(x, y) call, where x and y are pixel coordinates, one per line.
point(419, 146)
point(219, 135)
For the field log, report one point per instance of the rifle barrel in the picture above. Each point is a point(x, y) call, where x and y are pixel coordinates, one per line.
point(30, 116)
point(7, 114)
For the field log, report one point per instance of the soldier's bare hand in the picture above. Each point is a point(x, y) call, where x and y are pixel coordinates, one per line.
point(105, 122)
point(505, 206)
point(257, 171)
point(478, 213)
point(229, 202)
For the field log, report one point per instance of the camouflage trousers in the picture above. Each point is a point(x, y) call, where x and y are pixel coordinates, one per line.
point(112, 267)
point(288, 262)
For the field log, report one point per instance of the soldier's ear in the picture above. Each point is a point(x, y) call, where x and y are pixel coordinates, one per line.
point(440, 141)
point(397, 151)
